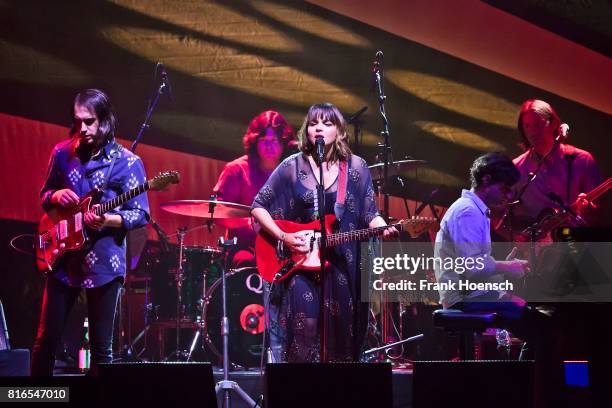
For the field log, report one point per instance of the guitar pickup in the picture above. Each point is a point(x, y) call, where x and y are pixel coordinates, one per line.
point(62, 230)
point(280, 250)
point(78, 222)
point(43, 242)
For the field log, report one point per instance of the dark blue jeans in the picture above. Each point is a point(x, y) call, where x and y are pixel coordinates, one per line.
point(58, 300)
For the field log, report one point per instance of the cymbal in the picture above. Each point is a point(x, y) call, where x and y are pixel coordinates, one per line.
point(207, 209)
point(395, 167)
point(244, 222)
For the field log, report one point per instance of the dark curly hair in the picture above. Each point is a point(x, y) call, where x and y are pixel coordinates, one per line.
point(258, 126)
point(498, 166)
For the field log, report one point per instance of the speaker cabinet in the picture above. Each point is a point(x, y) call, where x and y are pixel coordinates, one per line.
point(158, 384)
point(325, 384)
point(482, 383)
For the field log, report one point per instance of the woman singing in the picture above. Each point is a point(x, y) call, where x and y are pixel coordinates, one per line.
point(291, 194)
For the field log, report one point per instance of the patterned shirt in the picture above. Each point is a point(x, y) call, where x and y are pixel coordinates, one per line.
point(105, 260)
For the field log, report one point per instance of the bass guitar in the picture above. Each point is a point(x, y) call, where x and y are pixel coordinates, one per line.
point(555, 218)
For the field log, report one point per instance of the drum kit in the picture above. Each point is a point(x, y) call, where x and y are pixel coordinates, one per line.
point(187, 291)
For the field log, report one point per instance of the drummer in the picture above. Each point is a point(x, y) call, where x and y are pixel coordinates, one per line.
point(267, 140)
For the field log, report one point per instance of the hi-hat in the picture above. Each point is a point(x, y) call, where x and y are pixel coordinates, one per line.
point(207, 209)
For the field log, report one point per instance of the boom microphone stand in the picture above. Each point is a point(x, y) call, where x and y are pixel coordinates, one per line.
point(378, 74)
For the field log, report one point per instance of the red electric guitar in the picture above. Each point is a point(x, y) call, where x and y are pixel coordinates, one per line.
point(63, 230)
point(276, 263)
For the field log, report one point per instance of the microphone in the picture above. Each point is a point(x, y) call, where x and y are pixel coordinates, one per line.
point(427, 201)
point(320, 145)
point(377, 69)
point(165, 79)
point(564, 130)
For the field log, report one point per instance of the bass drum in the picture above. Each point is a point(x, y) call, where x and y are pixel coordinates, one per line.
point(245, 314)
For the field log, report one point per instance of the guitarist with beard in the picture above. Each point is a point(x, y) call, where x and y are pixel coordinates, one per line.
point(552, 171)
point(90, 159)
point(571, 175)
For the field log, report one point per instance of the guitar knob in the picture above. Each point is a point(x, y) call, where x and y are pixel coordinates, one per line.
point(62, 245)
point(55, 251)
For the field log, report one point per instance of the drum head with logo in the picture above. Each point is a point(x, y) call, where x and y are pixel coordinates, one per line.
point(245, 314)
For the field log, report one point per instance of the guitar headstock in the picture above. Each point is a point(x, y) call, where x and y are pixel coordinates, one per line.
point(415, 226)
point(162, 180)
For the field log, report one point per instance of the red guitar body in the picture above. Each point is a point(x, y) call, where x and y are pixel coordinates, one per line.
point(61, 230)
point(276, 265)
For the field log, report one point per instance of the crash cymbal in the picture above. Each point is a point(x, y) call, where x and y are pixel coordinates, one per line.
point(395, 168)
point(207, 209)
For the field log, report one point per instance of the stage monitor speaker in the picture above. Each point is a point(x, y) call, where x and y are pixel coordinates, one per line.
point(326, 384)
point(157, 384)
point(474, 384)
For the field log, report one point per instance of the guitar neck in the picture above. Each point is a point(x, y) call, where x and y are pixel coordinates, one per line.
point(358, 235)
point(563, 217)
point(120, 199)
point(599, 190)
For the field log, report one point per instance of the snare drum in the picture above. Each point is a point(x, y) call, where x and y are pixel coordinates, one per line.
point(245, 314)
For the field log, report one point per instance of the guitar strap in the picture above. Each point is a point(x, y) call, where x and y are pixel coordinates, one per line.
point(114, 153)
point(342, 185)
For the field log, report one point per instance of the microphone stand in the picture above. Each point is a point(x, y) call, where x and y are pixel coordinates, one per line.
point(355, 120)
point(378, 73)
point(509, 214)
point(160, 91)
point(126, 353)
point(320, 150)
point(377, 70)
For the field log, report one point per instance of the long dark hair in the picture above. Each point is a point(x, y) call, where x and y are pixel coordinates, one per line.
point(326, 111)
point(97, 101)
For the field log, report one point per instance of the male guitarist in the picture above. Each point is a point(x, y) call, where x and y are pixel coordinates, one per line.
point(90, 159)
point(570, 174)
point(558, 171)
